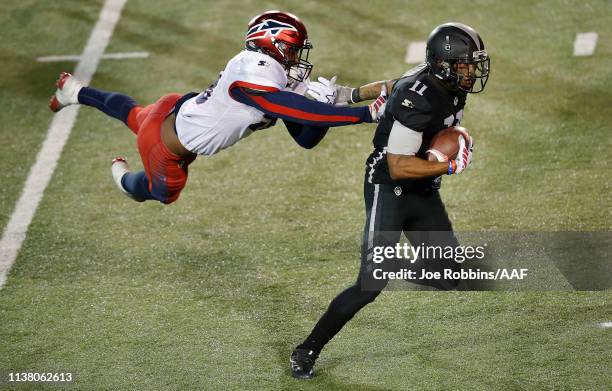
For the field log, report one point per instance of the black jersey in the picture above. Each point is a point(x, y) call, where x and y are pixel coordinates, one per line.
point(419, 102)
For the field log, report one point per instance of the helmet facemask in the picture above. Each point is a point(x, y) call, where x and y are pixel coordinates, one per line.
point(296, 60)
point(470, 76)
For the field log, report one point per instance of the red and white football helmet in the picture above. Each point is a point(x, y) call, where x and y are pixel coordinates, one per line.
point(282, 36)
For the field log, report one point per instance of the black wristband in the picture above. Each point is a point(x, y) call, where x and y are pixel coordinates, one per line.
point(355, 96)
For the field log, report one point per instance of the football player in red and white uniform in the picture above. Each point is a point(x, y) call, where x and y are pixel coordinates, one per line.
point(258, 86)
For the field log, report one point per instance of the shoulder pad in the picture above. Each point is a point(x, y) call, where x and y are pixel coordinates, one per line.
point(258, 68)
point(409, 104)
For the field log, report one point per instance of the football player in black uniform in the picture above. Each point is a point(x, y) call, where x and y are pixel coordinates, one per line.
point(401, 185)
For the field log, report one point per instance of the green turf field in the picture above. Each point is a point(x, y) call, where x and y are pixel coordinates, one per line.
point(213, 292)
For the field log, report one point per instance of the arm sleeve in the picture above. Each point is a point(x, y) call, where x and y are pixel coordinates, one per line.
point(403, 140)
point(306, 136)
point(296, 108)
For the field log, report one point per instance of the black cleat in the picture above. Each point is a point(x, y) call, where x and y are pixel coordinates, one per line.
point(302, 363)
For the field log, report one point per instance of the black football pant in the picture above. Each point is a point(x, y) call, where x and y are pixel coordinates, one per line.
point(390, 210)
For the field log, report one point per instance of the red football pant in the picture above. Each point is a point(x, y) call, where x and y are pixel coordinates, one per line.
point(167, 172)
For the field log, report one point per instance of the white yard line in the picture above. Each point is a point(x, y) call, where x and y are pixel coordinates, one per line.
point(585, 44)
point(107, 56)
point(605, 325)
point(57, 134)
point(69, 57)
point(415, 53)
point(127, 55)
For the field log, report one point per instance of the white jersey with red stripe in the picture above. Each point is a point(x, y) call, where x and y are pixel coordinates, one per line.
point(212, 120)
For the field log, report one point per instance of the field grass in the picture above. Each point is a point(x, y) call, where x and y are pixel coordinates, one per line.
point(214, 291)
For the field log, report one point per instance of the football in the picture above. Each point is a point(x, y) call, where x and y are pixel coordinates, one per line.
point(445, 144)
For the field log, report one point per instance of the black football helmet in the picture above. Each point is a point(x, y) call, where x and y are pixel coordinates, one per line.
point(456, 54)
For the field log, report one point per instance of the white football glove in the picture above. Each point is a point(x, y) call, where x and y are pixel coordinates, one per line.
point(322, 91)
point(377, 108)
point(343, 94)
point(464, 157)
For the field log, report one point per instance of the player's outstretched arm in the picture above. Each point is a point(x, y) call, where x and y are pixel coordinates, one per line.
point(369, 91)
point(344, 95)
point(296, 108)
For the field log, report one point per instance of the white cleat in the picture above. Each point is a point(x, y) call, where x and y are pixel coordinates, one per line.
point(119, 168)
point(67, 92)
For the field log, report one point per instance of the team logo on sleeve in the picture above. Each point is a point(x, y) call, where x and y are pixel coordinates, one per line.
point(408, 103)
point(268, 27)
